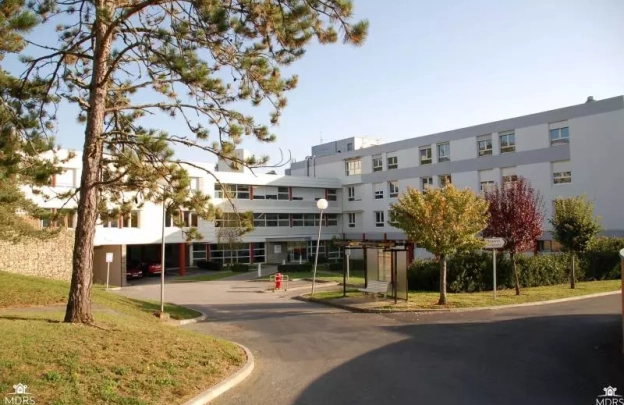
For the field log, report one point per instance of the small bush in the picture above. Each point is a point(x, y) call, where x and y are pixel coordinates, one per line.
point(294, 267)
point(239, 267)
point(598, 262)
point(206, 265)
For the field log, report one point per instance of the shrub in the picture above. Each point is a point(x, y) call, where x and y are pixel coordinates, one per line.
point(470, 272)
point(601, 258)
point(294, 267)
point(206, 265)
point(239, 267)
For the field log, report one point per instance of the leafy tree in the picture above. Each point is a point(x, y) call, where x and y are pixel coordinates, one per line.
point(516, 214)
point(21, 142)
point(443, 221)
point(196, 61)
point(574, 226)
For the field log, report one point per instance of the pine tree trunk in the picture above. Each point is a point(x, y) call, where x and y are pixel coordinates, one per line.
point(573, 275)
point(515, 271)
point(442, 300)
point(79, 304)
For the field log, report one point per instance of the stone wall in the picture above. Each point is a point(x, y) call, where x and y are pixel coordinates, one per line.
point(49, 258)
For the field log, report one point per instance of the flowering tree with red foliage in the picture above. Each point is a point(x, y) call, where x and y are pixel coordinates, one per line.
point(516, 214)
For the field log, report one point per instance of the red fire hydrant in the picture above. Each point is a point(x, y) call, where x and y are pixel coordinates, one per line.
point(278, 281)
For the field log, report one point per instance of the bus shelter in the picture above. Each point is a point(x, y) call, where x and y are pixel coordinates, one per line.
point(385, 261)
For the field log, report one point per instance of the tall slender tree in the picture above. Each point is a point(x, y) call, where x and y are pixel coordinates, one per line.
point(443, 221)
point(122, 62)
point(22, 143)
point(574, 227)
point(516, 214)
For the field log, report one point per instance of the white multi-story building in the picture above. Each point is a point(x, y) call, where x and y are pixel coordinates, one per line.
point(565, 152)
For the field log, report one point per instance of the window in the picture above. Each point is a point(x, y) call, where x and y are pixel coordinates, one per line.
point(425, 155)
point(393, 162)
point(131, 220)
point(112, 223)
point(444, 152)
point(259, 252)
point(66, 179)
point(219, 253)
point(377, 163)
point(562, 177)
point(331, 219)
point(351, 219)
point(170, 220)
point(189, 218)
point(259, 220)
point(559, 136)
point(310, 220)
point(331, 194)
point(194, 184)
point(271, 220)
point(393, 189)
point(444, 179)
point(233, 191)
point(507, 141)
point(487, 185)
point(484, 144)
point(509, 175)
point(353, 167)
point(378, 191)
point(283, 193)
point(351, 193)
point(297, 220)
point(426, 182)
point(379, 219)
point(349, 146)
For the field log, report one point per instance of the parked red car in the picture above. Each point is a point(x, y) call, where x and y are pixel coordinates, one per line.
point(133, 270)
point(151, 268)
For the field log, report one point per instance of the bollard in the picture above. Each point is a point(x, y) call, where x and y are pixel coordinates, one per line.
point(259, 269)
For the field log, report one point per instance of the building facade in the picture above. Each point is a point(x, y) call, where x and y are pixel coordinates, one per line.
point(565, 152)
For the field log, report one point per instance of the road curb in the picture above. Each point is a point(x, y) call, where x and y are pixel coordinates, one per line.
point(200, 318)
point(227, 384)
point(424, 310)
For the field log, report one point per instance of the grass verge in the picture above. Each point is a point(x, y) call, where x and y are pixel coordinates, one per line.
point(355, 279)
point(429, 300)
point(131, 358)
point(204, 277)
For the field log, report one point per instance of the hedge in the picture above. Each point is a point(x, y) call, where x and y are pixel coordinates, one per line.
point(238, 267)
point(294, 267)
point(601, 260)
point(469, 272)
point(206, 265)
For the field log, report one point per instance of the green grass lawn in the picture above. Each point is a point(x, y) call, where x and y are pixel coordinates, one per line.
point(204, 277)
point(130, 358)
point(429, 300)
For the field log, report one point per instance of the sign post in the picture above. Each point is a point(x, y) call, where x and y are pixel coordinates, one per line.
point(494, 243)
point(109, 260)
point(347, 254)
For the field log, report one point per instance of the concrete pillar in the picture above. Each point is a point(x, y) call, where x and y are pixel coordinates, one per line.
point(182, 259)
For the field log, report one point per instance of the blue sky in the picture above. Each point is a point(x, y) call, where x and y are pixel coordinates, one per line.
point(432, 66)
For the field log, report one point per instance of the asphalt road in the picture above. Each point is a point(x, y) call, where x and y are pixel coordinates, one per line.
point(309, 354)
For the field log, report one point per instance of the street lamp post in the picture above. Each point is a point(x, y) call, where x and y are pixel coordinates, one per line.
point(164, 189)
point(321, 205)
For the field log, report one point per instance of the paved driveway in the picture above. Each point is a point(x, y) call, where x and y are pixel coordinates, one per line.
point(311, 354)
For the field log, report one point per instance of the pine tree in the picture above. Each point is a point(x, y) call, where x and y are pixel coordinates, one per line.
point(21, 141)
point(198, 60)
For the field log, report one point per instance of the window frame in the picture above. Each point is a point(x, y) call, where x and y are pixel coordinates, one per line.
point(485, 151)
point(377, 162)
point(351, 193)
point(429, 183)
point(356, 169)
point(331, 194)
point(428, 160)
point(392, 162)
point(563, 175)
point(380, 220)
point(351, 219)
point(440, 147)
point(393, 184)
point(441, 183)
point(508, 135)
point(559, 140)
